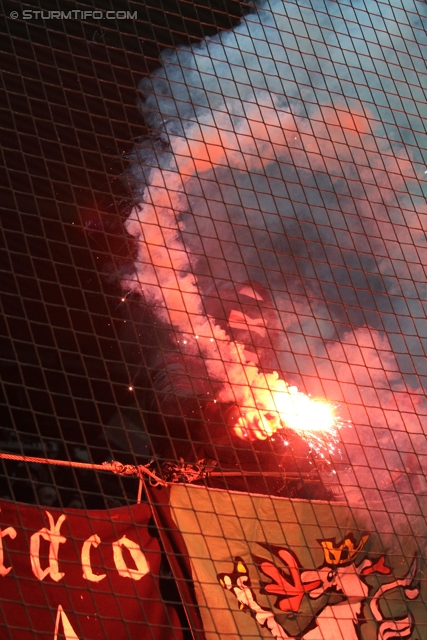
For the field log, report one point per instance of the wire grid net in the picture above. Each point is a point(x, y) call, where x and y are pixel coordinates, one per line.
point(214, 250)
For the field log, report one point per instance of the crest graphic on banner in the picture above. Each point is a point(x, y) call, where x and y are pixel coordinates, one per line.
point(340, 575)
point(267, 567)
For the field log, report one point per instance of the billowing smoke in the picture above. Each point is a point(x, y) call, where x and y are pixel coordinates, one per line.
point(284, 153)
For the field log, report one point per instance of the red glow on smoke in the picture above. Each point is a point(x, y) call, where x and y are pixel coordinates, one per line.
point(165, 266)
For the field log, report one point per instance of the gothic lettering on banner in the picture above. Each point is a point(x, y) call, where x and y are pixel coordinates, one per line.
point(81, 575)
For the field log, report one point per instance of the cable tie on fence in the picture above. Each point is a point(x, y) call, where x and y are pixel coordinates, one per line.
point(187, 472)
point(133, 470)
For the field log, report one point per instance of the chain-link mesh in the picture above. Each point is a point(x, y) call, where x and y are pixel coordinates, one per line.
point(214, 247)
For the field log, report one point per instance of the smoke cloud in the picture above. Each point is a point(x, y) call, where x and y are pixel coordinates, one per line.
point(292, 152)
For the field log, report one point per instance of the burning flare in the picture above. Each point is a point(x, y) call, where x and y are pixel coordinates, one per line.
point(282, 406)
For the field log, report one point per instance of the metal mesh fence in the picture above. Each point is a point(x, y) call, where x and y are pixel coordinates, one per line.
point(214, 245)
point(295, 227)
point(69, 120)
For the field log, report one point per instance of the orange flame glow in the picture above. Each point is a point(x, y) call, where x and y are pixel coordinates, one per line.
point(309, 417)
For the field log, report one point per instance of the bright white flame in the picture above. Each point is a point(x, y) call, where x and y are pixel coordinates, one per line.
point(311, 418)
point(302, 413)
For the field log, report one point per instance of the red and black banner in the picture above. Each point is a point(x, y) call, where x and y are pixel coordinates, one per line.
point(81, 575)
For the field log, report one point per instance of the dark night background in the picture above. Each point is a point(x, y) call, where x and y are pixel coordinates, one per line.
point(68, 120)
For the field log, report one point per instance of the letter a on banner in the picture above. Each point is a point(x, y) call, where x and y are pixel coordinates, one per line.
point(52, 536)
point(138, 557)
point(69, 632)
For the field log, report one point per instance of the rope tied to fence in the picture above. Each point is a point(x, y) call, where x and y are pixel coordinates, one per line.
point(173, 472)
point(141, 471)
